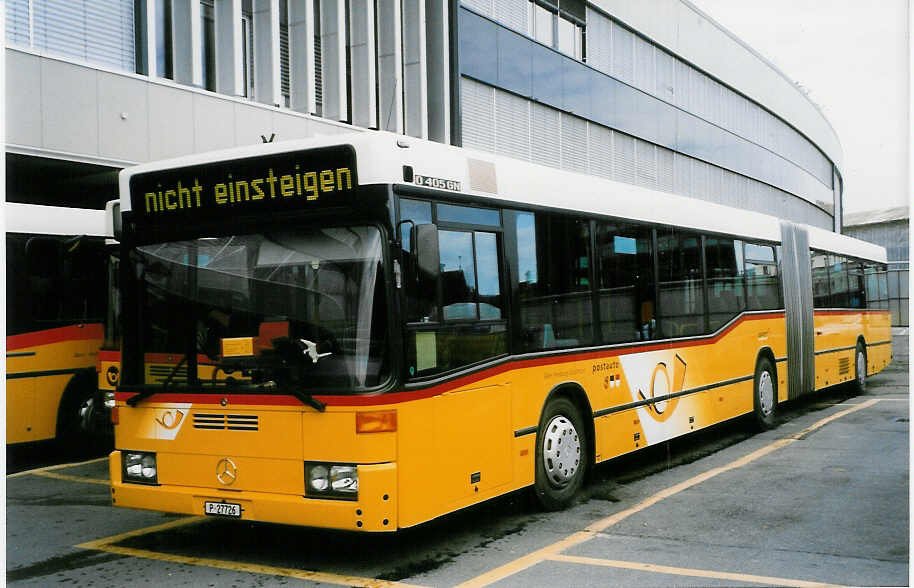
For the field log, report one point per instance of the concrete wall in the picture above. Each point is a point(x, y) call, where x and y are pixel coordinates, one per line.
point(64, 110)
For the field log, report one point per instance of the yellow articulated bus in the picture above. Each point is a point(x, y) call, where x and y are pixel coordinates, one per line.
point(56, 276)
point(368, 332)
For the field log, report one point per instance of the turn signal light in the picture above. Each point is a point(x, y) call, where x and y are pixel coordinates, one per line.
point(115, 416)
point(384, 421)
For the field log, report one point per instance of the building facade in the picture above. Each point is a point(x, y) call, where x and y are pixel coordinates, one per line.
point(890, 228)
point(649, 93)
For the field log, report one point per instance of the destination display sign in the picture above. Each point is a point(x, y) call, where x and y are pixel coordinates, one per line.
point(311, 179)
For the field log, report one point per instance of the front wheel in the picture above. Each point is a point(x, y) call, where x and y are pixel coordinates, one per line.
point(561, 454)
point(765, 394)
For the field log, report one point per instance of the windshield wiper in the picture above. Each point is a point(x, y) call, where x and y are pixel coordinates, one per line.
point(136, 399)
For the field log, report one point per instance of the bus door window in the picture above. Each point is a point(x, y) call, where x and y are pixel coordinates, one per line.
point(726, 273)
point(473, 327)
point(459, 318)
point(554, 289)
point(681, 288)
point(763, 288)
point(626, 282)
point(421, 296)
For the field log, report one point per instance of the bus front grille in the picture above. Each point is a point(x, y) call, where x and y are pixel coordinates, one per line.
point(226, 422)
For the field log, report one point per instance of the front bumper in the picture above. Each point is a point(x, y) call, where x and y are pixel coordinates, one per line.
point(375, 509)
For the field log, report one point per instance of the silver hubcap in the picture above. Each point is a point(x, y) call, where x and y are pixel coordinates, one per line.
point(861, 369)
point(765, 393)
point(561, 451)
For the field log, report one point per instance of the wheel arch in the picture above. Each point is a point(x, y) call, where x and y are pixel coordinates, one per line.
point(85, 380)
point(575, 393)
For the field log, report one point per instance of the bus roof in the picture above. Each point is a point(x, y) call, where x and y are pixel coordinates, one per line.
point(36, 219)
point(384, 158)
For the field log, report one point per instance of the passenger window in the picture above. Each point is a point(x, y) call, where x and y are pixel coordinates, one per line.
point(626, 282)
point(763, 285)
point(726, 280)
point(856, 296)
point(682, 307)
point(820, 268)
point(837, 282)
point(554, 287)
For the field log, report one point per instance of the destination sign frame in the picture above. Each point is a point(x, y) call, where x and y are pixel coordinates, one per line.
point(312, 179)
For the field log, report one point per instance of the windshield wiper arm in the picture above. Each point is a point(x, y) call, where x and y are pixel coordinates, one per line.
point(136, 399)
point(309, 400)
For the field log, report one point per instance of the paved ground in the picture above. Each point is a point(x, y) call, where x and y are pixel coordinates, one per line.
point(822, 499)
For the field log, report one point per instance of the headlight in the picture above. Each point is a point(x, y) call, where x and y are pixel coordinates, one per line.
point(109, 400)
point(140, 467)
point(325, 480)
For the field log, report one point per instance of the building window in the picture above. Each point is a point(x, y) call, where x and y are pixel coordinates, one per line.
point(247, 52)
point(284, 54)
point(164, 40)
point(208, 45)
point(558, 26)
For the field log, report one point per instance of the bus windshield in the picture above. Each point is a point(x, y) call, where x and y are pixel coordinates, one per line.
point(264, 311)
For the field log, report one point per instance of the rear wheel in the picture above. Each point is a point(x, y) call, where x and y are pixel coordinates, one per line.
point(765, 394)
point(561, 454)
point(859, 384)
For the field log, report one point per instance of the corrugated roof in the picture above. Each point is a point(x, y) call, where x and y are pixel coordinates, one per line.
point(872, 217)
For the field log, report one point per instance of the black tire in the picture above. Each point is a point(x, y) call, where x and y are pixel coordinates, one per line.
point(79, 422)
point(858, 386)
point(765, 394)
point(562, 454)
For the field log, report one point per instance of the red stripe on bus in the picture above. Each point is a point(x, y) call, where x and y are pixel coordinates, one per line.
point(408, 396)
point(109, 355)
point(56, 335)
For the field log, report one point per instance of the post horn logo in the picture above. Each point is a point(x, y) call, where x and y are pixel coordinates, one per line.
point(226, 471)
point(170, 419)
point(662, 388)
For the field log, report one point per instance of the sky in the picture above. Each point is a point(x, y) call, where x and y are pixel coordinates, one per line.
point(853, 57)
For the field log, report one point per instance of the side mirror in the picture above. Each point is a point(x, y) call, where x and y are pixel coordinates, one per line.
point(424, 239)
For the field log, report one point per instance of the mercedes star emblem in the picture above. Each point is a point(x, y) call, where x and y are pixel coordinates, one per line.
point(226, 471)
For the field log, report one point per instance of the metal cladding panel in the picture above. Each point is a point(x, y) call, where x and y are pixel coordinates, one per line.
point(600, 145)
point(545, 131)
point(477, 102)
point(624, 157)
point(17, 22)
point(623, 53)
point(512, 125)
point(646, 164)
point(574, 143)
point(513, 14)
point(481, 6)
point(796, 278)
point(599, 41)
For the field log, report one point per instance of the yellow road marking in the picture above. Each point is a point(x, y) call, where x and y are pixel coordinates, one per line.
point(526, 561)
point(108, 544)
point(59, 466)
point(325, 577)
point(659, 569)
point(99, 544)
point(70, 478)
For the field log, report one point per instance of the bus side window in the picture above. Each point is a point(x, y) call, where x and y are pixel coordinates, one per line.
point(726, 274)
point(820, 267)
point(625, 269)
point(43, 260)
point(554, 291)
point(681, 289)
